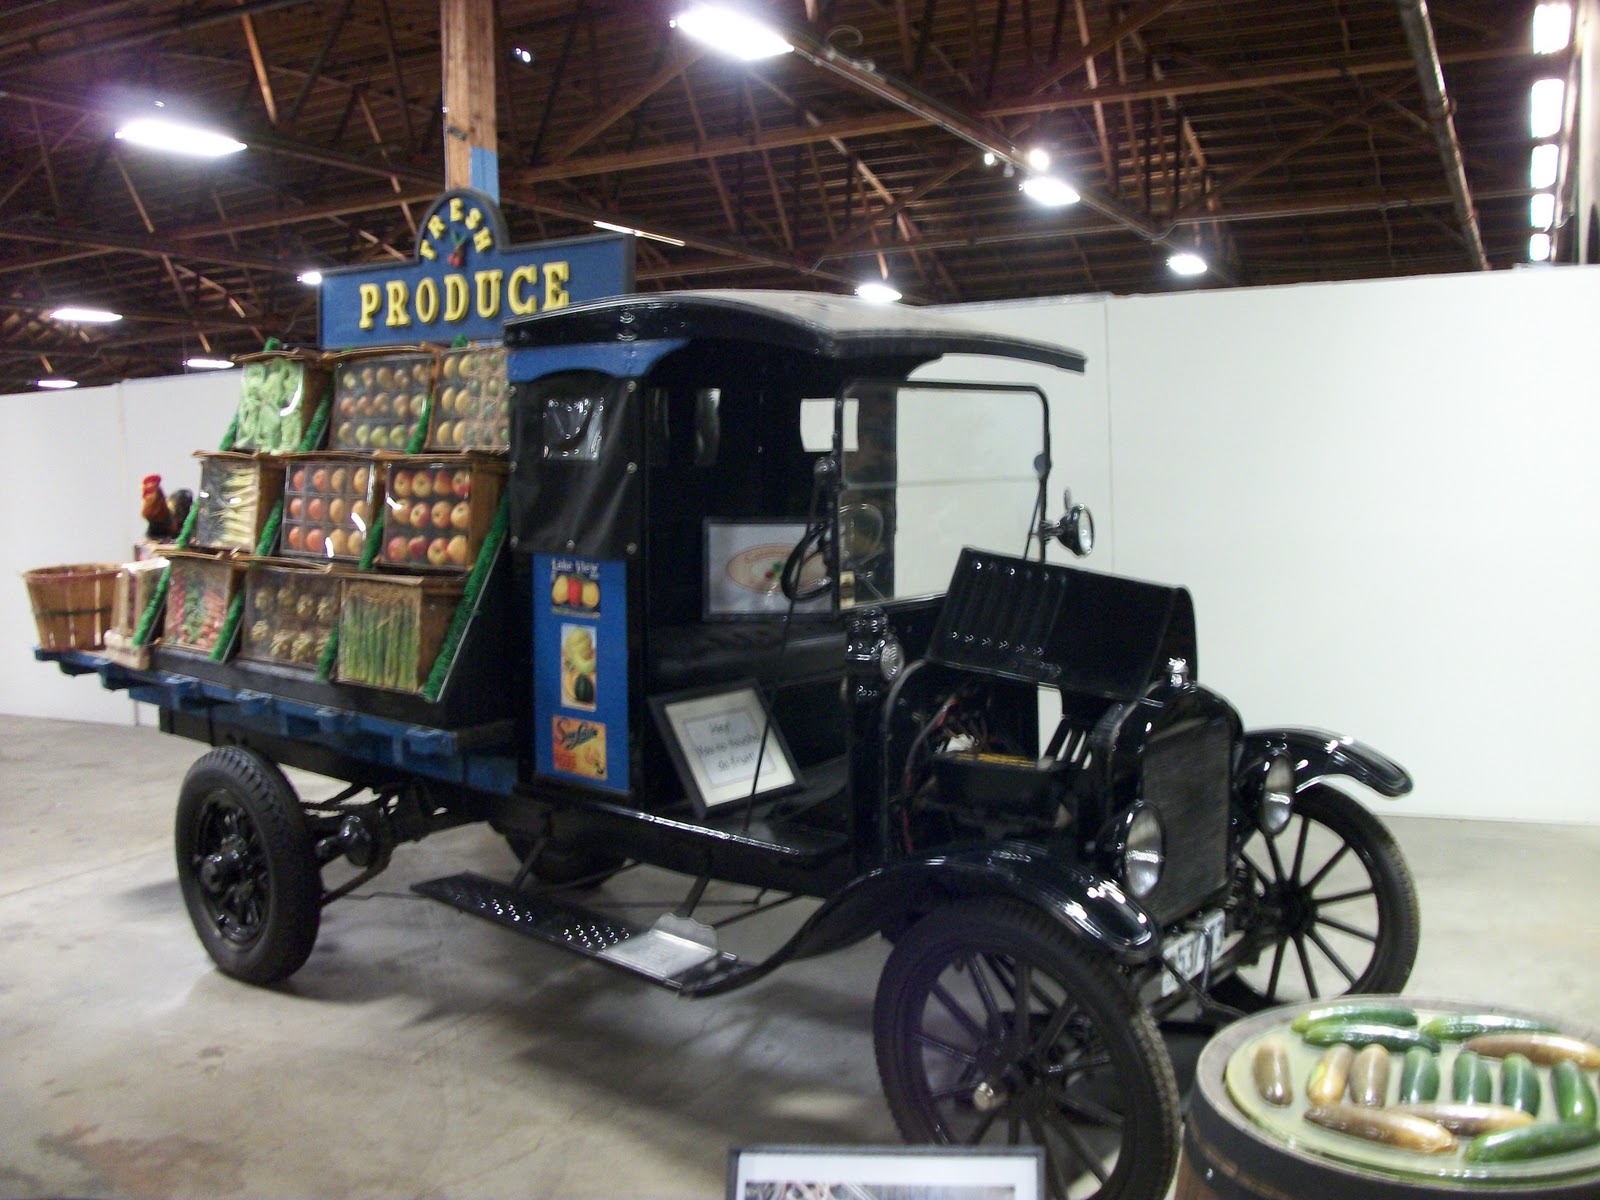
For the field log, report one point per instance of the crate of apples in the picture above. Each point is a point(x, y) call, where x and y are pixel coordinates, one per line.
point(438, 511)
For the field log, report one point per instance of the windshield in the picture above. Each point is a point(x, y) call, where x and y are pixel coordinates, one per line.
point(927, 469)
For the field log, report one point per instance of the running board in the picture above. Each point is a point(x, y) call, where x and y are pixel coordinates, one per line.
point(675, 952)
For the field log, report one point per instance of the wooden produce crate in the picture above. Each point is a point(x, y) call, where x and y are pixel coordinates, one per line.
point(438, 509)
point(200, 587)
point(72, 604)
point(380, 397)
point(329, 504)
point(136, 584)
point(236, 496)
point(472, 407)
point(290, 612)
point(279, 393)
point(391, 628)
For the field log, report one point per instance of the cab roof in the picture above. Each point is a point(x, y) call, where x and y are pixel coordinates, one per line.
point(839, 328)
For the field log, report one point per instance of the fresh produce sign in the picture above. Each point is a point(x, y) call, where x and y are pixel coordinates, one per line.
point(467, 280)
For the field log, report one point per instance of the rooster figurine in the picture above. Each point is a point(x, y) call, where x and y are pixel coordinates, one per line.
point(157, 513)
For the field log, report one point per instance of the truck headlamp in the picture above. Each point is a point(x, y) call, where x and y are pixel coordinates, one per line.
point(1277, 796)
point(1144, 851)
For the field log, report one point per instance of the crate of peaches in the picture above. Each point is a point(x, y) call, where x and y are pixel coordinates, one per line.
point(328, 505)
point(379, 398)
point(438, 510)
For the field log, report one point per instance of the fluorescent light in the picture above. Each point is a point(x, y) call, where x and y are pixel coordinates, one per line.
point(208, 364)
point(1542, 166)
point(1547, 107)
point(1184, 263)
point(731, 32)
point(85, 316)
point(1049, 191)
point(877, 293)
point(1539, 248)
point(1039, 158)
point(56, 383)
point(1542, 210)
point(312, 278)
point(654, 237)
point(157, 133)
point(1552, 28)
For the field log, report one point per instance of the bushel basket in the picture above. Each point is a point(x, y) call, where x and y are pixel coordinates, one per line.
point(72, 604)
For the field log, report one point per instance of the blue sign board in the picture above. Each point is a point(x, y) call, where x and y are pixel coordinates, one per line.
point(466, 281)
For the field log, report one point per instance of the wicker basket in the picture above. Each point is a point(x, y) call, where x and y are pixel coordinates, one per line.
point(72, 604)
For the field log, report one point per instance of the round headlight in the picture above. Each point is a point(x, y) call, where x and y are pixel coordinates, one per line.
point(892, 658)
point(1144, 852)
point(1277, 796)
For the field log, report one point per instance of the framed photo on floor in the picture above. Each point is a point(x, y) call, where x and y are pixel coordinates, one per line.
point(725, 744)
point(886, 1173)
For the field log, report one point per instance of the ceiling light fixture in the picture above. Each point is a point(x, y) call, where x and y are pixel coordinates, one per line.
point(1542, 210)
point(523, 55)
point(1552, 28)
point(1186, 263)
point(877, 292)
point(208, 364)
point(158, 133)
point(56, 384)
point(730, 32)
point(654, 237)
point(1049, 191)
point(1543, 165)
point(1539, 248)
point(85, 316)
point(1039, 158)
point(1547, 107)
point(311, 278)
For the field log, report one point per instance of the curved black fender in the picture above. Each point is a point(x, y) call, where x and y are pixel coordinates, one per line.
point(1088, 905)
point(1319, 754)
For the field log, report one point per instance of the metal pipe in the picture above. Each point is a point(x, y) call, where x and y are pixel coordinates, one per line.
point(1441, 118)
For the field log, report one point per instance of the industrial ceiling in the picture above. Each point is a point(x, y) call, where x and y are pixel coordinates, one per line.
point(1286, 140)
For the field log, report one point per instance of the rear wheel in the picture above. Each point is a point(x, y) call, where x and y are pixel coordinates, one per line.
point(246, 866)
point(993, 1026)
point(1328, 906)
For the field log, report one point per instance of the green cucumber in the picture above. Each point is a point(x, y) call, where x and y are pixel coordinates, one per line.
point(1532, 1141)
point(1575, 1100)
point(1519, 1084)
point(1458, 1027)
point(1362, 1013)
point(1362, 1033)
point(1470, 1080)
point(1419, 1076)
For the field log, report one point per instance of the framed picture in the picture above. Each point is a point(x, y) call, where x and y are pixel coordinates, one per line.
point(886, 1173)
point(744, 569)
point(717, 737)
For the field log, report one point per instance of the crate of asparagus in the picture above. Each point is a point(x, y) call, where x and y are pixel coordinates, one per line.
point(236, 496)
point(438, 509)
point(391, 628)
point(290, 612)
point(472, 408)
point(380, 398)
point(200, 588)
point(279, 393)
point(329, 502)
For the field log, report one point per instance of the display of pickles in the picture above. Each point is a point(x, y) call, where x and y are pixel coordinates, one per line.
point(378, 402)
point(329, 505)
point(235, 493)
point(1442, 1095)
point(437, 512)
point(289, 615)
point(278, 395)
point(199, 590)
point(472, 409)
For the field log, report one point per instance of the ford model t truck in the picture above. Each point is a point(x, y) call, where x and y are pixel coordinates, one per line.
point(769, 611)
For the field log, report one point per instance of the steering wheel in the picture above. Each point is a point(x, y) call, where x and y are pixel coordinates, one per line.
point(815, 544)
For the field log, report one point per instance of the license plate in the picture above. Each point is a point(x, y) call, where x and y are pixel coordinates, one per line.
point(1190, 954)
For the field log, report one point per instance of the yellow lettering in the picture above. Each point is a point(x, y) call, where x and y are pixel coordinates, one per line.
point(371, 301)
point(455, 297)
point(436, 225)
point(474, 218)
point(489, 292)
point(483, 239)
point(519, 304)
point(556, 274)
point(427, 301)
point(427, 251)
point(399, 295)
point(457, 208)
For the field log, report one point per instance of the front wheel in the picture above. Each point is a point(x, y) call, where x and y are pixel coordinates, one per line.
point(1326, 907)
point(246, 866)
point(992, 1025)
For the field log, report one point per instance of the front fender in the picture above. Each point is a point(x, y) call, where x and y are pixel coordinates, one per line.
point(1319, 754)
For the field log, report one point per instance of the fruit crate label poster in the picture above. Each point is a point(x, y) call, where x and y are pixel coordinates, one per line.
point(580, 670)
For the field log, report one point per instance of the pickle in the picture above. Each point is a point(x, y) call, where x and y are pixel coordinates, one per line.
point(1519, 1084)
point(1470, 1081)
point(1457, 1027)
point(1360, 1033)
point(1575, 1100)
point(1535, 1141)
point(1419, 1076)
point(1326, 1084)
point(1383, 1125)
point(1546, 1049)
point(1369, 1076)
point(1366, 1014)
point(1469, 1119)
point(1271, 1070)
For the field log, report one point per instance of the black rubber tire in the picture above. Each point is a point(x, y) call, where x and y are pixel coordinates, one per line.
point(562, 863)
point(246, 866)
point(935, 1064)
point(1340, 857)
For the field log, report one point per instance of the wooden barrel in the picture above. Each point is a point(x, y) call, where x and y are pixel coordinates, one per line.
point(1228, 1156)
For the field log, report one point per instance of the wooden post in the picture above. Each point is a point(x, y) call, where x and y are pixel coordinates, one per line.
point(471, 140)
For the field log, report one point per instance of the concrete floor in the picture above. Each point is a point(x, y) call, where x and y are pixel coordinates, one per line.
point(422, 1052)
